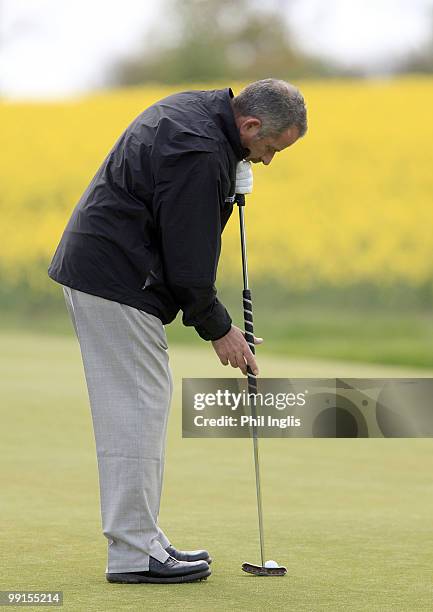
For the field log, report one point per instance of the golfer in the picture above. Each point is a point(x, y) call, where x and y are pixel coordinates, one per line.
point(142, 243)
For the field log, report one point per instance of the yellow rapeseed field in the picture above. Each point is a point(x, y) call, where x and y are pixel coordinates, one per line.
point(350, 202)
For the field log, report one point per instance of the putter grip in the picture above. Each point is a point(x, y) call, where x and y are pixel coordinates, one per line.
point(249, 335)
point(248, 318)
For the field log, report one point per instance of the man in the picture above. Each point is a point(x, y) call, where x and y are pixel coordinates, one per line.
point(143, 243)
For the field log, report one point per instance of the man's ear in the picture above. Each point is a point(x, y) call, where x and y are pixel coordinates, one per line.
point(250, 126)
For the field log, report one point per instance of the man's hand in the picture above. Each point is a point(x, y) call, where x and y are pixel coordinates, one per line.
point(244, 177)
point(234, 348)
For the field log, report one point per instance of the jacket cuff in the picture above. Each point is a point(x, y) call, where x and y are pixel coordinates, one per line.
point(216, 326)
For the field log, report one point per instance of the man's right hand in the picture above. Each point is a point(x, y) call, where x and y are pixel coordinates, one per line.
point(233, 348)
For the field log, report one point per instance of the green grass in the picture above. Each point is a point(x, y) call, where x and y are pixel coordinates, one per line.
point(350, 518)
point(363, 323)
point(374, 336)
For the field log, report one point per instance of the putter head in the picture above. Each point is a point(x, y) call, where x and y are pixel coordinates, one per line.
point(258, 570)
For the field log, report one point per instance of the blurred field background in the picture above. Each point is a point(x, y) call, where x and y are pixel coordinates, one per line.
point(339, 225)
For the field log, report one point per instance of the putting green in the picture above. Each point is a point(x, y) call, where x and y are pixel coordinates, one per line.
point(351, 519)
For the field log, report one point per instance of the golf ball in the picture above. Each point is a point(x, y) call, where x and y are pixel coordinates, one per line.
point(271, 563)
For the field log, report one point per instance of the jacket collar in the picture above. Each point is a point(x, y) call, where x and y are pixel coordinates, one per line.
point(225, 119)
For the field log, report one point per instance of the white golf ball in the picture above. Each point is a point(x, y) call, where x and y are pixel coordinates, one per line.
point(271, 563)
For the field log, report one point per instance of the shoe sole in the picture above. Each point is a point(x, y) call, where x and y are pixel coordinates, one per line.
point(130, 579)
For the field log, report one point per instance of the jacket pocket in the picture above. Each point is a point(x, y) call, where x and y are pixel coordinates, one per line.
point(151, 279)
point(155, 275)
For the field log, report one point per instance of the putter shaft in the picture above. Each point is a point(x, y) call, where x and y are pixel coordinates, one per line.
point(252, 381)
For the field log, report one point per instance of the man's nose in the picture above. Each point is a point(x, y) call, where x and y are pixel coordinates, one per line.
point(266, 159)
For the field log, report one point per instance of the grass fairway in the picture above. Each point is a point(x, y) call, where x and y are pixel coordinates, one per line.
point(310, 329)
point(352, 519)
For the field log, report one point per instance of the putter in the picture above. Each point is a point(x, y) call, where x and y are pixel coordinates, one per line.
point(258, 570)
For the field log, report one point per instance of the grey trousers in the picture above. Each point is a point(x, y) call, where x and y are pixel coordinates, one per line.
point(129, 382)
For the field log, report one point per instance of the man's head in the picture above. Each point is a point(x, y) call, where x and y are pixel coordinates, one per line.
point(270, 115)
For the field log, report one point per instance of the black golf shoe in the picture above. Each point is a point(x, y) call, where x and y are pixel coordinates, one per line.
point(189, 555)
point(170, 571)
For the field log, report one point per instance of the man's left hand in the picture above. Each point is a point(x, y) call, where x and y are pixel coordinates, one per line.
point(244, 177)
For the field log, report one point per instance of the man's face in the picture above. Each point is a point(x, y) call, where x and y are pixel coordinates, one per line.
point(263, 149)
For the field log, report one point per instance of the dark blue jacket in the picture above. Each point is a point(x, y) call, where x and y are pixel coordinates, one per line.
point(147, 230)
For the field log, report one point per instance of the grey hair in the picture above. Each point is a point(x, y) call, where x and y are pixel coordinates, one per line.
point(278, 104)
